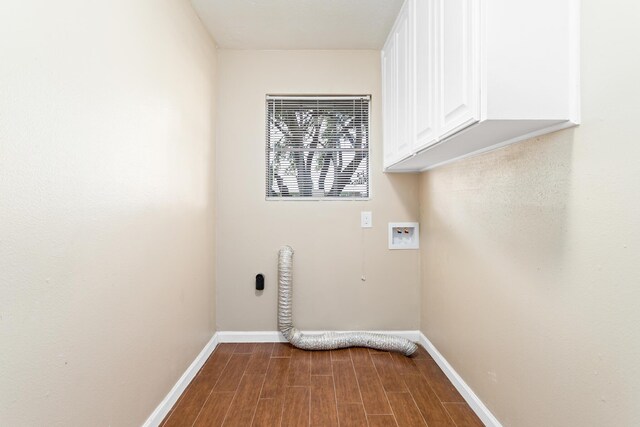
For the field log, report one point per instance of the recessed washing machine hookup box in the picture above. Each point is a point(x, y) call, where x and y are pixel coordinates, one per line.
point(404, 235)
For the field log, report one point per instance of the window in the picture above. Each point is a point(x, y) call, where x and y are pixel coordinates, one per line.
point(317, 147)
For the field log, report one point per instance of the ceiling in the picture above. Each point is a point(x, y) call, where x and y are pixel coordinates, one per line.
point(298, 24)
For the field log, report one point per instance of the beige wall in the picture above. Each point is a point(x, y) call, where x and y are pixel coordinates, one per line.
point(332, 251)
point(530, 257)
point(106, 207)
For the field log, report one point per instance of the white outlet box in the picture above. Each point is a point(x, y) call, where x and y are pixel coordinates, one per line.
point(404, 235)
point(366, 219)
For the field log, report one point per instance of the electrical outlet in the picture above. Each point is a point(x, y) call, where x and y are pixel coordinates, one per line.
point(366, 220)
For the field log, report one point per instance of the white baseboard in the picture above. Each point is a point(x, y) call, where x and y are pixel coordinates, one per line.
point(170, 399)
point(167, 403)
point(275, 336)
point(472, 399)
point(252, 336)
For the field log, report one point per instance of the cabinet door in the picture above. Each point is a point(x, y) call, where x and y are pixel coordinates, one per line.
point(389, 95)
point(426, 95)
point(404, 101)
point(459, 64)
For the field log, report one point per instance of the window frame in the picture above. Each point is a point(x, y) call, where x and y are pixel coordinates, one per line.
point(308, 97)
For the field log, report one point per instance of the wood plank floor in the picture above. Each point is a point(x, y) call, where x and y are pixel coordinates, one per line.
point(270, 384)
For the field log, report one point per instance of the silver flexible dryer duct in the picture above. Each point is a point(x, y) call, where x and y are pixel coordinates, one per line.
point(328, 340)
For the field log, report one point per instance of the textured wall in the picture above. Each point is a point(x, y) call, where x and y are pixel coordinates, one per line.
point(332, 251)
point(530, 257)
point(106, 207)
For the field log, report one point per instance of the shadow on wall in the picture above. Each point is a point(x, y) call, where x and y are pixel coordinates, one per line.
point(513, 200)
point(400, 182)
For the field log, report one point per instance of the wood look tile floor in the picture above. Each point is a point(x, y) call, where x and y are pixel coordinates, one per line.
point(269, 384)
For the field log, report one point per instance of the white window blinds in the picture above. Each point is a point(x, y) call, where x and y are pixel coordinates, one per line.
point(317, 147)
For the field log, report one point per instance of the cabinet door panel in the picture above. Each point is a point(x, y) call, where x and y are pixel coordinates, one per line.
point(459, 71)
point(389, 95)
point(424, 24)
point(404, 57)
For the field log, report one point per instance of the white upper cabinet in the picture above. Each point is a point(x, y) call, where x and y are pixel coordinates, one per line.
point(465, 76)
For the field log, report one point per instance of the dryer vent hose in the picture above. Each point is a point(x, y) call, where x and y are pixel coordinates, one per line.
point(328, 340)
